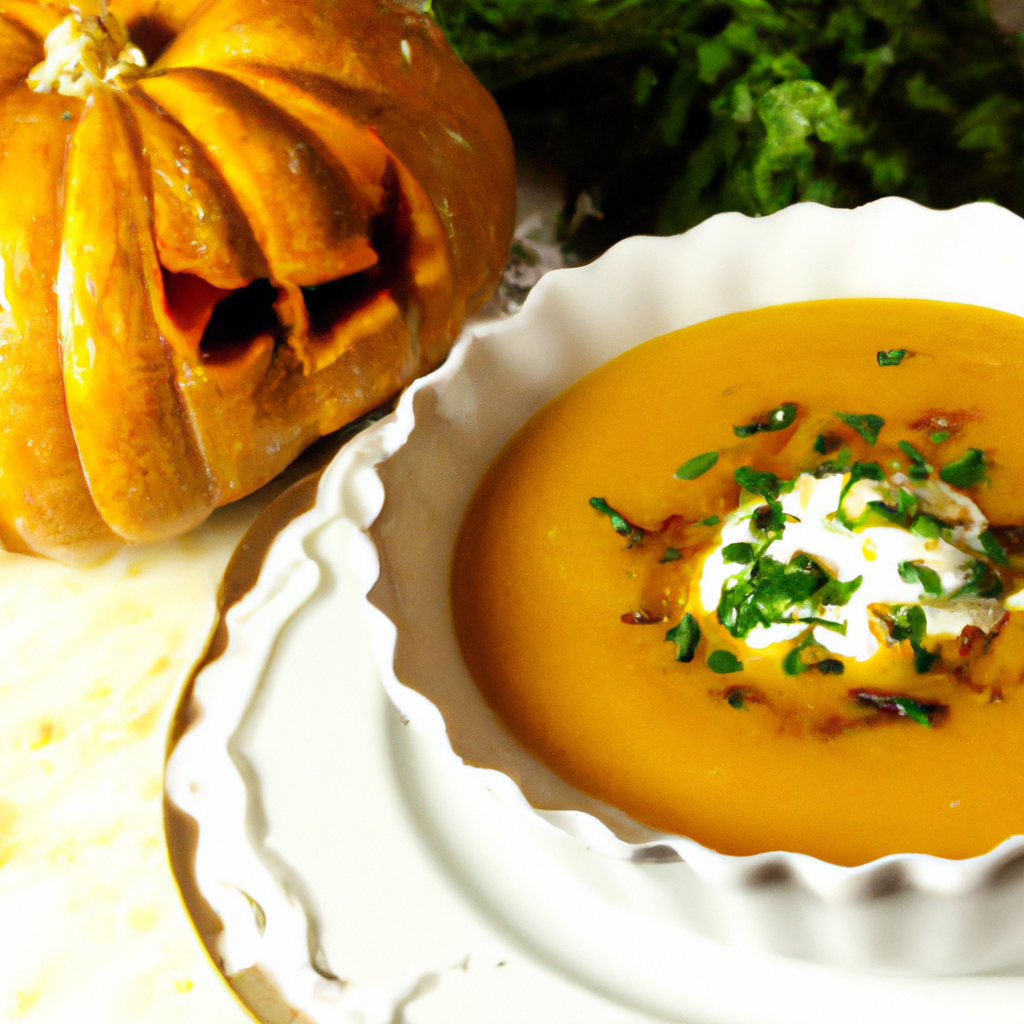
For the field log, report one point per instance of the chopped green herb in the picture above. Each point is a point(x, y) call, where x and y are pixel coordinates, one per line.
point(916, 572)
point(893, 357)
point(740, 553)
point(620, 524)
point(912, 453)
point(835, 593)
point(906, 504)
point(923, 660)
point(710, 521)
point(685, 636)
point(769, 591)
point(734, 699)
point(966, 471)
point(908, 622)
point(671, 555)
point(724, 662)
point(926, 526)
point(830, 667)
point(836, 627)
point(819, 444)
point(697, 466)
point(793, 664)
point(767, 485)
point(778, 419)
point(981, 581)
point(939, 437)
point(886, 512)
point(866, 424)
point(66, 116)
point(858, 471)
point(993, 548)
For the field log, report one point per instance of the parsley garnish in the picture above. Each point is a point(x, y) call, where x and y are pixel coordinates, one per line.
point(919, 468)
point(734, 699)
point(740, 553)
point(778, 419)
point(966, 471)
point(724, 662)
point(866, 424)
point(685, 636)
point(858, 471)
point(710, 521)
point(993, 548)
point(916, 572)
point(892, 357)
point(836, 593)
point(671, 555)
point(981, 581)
point(819, 444)
point(767, 485)
point(620, 524)
point(926, 526)
point(697, 466)
point(908, 622)
point(794, 663)
point(769, 591)
point(939, 437)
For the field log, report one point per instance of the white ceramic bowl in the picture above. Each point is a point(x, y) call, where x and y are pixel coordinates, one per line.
point(413, 474)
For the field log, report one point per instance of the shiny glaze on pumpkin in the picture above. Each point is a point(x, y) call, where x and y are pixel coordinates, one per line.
point(541, 582)
point(303, 143)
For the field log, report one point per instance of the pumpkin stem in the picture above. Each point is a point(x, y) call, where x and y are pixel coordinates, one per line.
point(90, 47)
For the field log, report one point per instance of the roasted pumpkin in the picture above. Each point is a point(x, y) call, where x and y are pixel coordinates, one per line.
point(228, 228)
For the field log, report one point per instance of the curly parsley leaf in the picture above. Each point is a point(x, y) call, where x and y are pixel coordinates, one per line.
point(866, 424)
point(917, 572)
point(767, 485)
point(835, 593)
point(710, 521)
point(697, 466)
point(982, 581)
point(891, 357)
point(966, 471)
point(671, 555)
point(620, 524)
point(926, 526)
point(993, 548)
point(686, 637)
point(741, 553)
point(858, 471)
point(724, 662)
point(779, 418)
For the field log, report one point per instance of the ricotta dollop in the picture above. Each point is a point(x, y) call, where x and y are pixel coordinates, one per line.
point(872, 552)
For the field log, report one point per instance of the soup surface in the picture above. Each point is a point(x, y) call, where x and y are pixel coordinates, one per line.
point(758, 582)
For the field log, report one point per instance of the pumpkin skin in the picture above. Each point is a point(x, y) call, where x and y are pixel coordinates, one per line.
point(265, 233)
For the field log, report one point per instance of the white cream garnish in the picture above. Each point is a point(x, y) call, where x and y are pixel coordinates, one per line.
point(874, 553)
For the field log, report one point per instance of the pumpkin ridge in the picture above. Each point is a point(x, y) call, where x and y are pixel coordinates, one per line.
point(302, 208)
point(136, 443)
point(20, 51)
point(36, 439)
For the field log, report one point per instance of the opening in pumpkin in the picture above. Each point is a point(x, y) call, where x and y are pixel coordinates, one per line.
point(238, 320)
point(333, 302)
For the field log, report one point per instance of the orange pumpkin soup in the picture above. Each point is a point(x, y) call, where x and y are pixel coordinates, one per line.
point(759, 581)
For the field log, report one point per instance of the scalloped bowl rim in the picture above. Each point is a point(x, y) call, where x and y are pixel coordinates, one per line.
point(983, 275)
